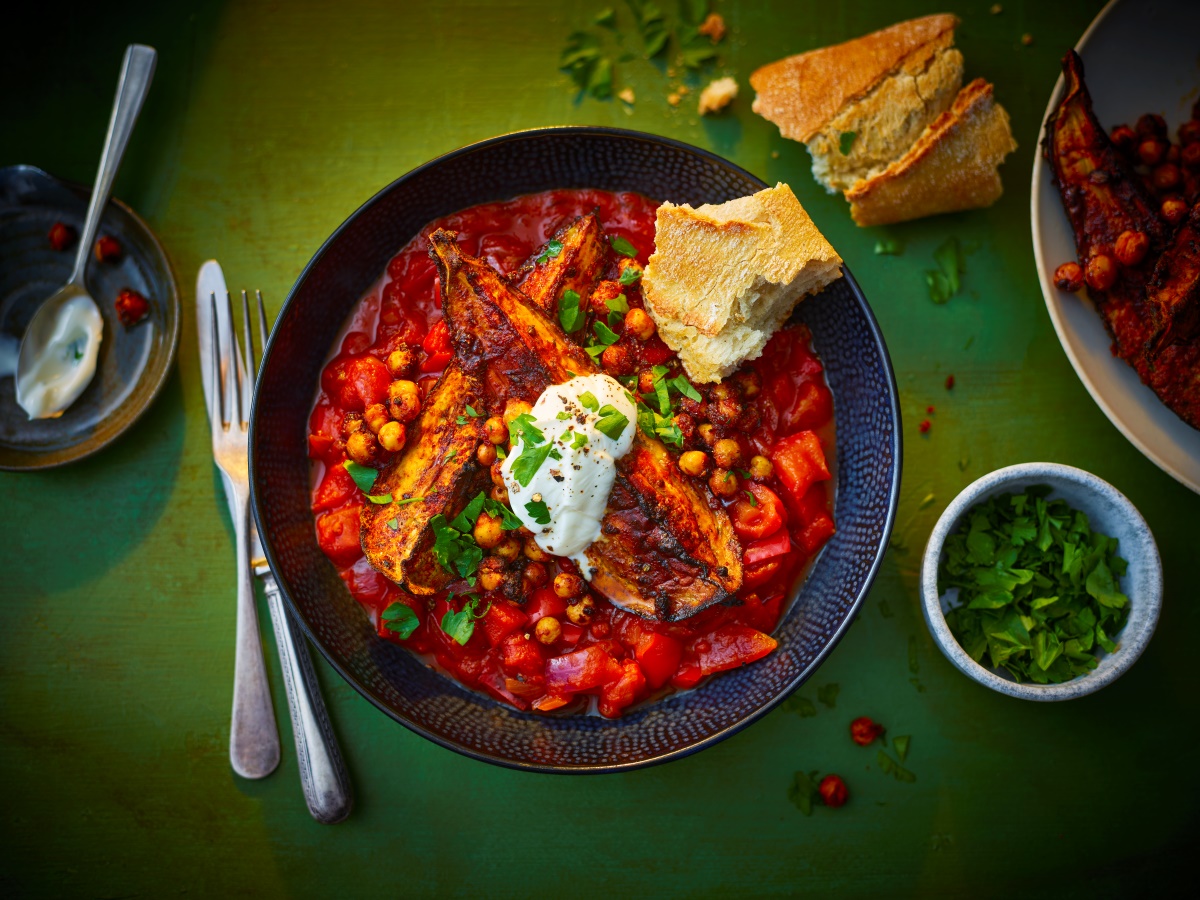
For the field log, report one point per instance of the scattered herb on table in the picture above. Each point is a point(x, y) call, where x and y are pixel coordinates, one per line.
point(828, 693)
point(888, 247)
point(1038, 590)
point(900, 744)
point(801, 705)
point(944, 281)
point(893, 768)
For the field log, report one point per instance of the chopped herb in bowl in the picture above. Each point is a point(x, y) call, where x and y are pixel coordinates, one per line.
point(1038, 590)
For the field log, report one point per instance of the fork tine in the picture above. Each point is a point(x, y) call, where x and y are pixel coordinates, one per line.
point(262, 323)
point(234, 378)
point(251, 365)
point(217, 382)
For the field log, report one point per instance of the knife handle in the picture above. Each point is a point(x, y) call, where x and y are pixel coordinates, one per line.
point(323, 775)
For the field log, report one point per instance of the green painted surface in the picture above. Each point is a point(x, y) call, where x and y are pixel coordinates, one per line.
point(268, 124)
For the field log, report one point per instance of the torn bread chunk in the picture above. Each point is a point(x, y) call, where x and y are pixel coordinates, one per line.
point(718, 95)
point(724, 278)
point(954, 166)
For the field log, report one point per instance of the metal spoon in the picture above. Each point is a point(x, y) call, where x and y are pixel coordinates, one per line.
point(73, 298)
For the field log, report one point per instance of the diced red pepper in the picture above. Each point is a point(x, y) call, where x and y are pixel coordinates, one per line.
point(658, 655)
point(544, 602)
point(816, 533)
point(355, 383)
point(571, 634)
point(800, 461)
point(763, 613)
point(581, 670)
point(438, 350)
point(731, 646)
point(337, 534)
point(492, 680)
point(319, 446)
point(758, 518)
point(778, 544)
point(616, 695)
point(336, 488)
point(107, 249)
point(759, 573)
point(501, 620)
point(688, 675)
point(523, 656)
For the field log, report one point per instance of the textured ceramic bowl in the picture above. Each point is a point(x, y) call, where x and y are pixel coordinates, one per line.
point(868, 462)
point(1109, 512)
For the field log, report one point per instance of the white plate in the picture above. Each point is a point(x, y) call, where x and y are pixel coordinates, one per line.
point(1139, 56)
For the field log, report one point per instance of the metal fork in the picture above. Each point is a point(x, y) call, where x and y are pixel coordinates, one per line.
point(323, 775)
point(253, 737)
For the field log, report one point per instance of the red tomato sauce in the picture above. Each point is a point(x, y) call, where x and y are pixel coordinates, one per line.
point(616, 660)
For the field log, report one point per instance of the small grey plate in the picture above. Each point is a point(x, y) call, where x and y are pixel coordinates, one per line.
point(133, 362)
point(1109, 512)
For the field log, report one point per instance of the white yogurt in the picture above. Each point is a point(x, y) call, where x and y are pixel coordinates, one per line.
point(575, 486)
point(67, 363)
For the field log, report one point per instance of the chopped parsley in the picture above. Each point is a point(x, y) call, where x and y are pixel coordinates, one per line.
point(828, 694)
point(588, 401)
point(570, 316)
point(408, 500)
point(522, 428)
point(525, 466)
point(630, 275)
point(462, 420)
point(890, 767)
point(605, 335)
point(461, 625)
point(400, 619)
point(364, 476)
point(538, 511)
point(454, 549)
point(622, 246)
point(552, 250)
point(1038, 589)
point(379, 499)
point(900, 745)
point(612, 421)
point(578, 440)
point(888, 248)
point(393, 523)
point(749, 496)
point(617, 307)
point(944, 281)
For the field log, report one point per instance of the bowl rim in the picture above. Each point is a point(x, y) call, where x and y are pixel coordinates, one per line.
point(1057, 475)
point(893, 497)
point(91, 445)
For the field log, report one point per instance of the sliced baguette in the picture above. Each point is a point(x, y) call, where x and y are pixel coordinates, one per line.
point(954, 165)
point(724, 278)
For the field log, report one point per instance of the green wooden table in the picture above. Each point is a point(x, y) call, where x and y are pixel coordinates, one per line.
point(267, 125)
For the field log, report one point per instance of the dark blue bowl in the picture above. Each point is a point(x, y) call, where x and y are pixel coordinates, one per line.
point(845, 334)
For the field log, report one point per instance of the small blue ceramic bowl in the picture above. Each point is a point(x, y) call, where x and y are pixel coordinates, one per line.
point(1109, 512)
point(845, 334)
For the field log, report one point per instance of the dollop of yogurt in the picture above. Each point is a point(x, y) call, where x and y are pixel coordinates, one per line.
point(564, 462)
point(67, 362)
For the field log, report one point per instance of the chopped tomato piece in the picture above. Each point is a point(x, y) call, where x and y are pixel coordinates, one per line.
point(435, 362)
point(355, 343)
point(581, 670)
point(336, 488)
point(319, 446)
point(816, 533)
point(544, 602)
point(523, 656)
point(366, 584)
point(337, 534)
point(438, 339)
point(758, 519)
point(658, 655)
point(688, 674)
point(762, 613)
point(759, 573)
point(731, 646)
point(616, 695)
point(571, 633)
point(777, 544)
point(800, 461)
point(501, 620)
point(354, 383)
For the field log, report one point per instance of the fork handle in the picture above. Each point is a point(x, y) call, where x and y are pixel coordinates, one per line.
point(323, 775)
point(253, 737)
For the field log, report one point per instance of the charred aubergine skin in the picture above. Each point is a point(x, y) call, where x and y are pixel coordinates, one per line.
point(667, 548)
point(1150, 310)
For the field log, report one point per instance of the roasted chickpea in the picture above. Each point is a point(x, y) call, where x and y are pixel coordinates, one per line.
point(567, 585)
point(495, 430)
point(686, 425)
point(646, 381)
point(1069, 277)
point(393, 436)
point(1124, 139)
point(581, 613)
point(692, 407)
point(512, 409)
point(523, 533)
point(491, 573)
point(617, 360)
point(723, 482)
point(727, 454)
point(1189, 132)
point(639, 324)
point(488, 531)
point(749, 383)
point(404, 400)
point(508, 549)
point(725, 412)
point(1151, 152)
point(352, 422)
point(694, 463)
point(1151, 126)
point(362, 448)
point(722, 390)
point(497, 473)
point(499, 493)
point(707, 433)
point(547, 630)
point(376, 416)
point(1172, 153)
point(1166, 177)
point(533, 577)
point(1101, 272)
point(402, 362)
point(534, 552)
point(1131, 247)
point(1190, 157)
point(485, 453)
point(761, 468)
point(749, 420)
point(1173, 210)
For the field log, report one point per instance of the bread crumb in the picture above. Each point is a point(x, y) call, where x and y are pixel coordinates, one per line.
point(670, 71)
point(1027, 40)
point(774, 154)
point(714, 27)
point(628, 96)
point(673, 98)
point(718, 95)
point(996, 9)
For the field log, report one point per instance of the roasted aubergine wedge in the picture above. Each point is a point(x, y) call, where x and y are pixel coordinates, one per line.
point(580, 254)
point(667, 548)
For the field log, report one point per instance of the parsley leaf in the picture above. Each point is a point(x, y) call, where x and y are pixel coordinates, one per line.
point(379, 499)
point(612, 422)
point(623, 246)
point(887, 248)
point(522, 428)
point(393, 523)
point(749, 496)
point(683, 386)
point(803, 791)
point(617, 307)
point(900, 743)
point(461, 625)
point(364, 476)
point(846, 141)
point(630, 275)
point(551, 251)
point(944, 282)
point(890, 767)
point(525, 466)
point(828, 694)
point(570, 316)
point(454, 550)
point(604, 334)
point(588, 401)
point(538, 511)
point(400, 619)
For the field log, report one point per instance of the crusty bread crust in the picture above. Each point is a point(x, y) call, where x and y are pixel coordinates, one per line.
point(953, 166)
point(802, 93)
